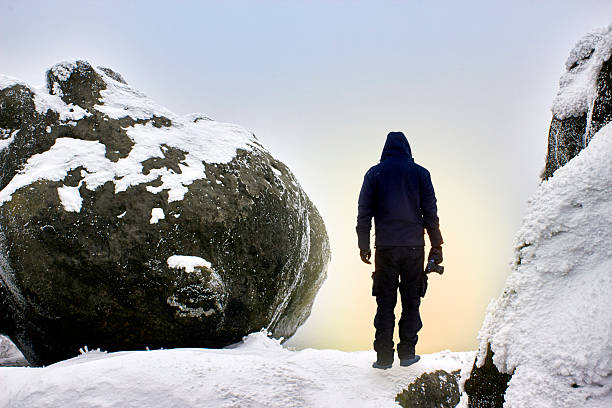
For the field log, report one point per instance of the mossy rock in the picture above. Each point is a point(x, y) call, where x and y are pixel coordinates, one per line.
point(92, 267)
point(438, 389)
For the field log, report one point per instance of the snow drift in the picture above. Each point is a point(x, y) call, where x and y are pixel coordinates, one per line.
point(257, 372)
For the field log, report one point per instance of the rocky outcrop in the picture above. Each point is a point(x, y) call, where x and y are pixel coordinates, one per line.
point(545, 340)
point(124, 225)
point(438, 389)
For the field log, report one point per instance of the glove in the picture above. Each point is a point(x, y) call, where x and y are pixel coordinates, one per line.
point(365, 255)
point(435, 254)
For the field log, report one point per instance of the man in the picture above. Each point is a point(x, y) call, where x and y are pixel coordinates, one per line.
point(399, 195)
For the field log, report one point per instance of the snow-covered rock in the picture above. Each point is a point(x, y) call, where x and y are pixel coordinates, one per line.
point(258, 372)
point(100, 188)
point(583, 104)
point(546, 341)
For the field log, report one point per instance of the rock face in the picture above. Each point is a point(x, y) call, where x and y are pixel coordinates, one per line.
point(124, 225)
point(438, 389)
point(545, 341)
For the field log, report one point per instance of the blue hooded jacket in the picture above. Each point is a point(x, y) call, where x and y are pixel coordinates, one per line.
point(399, 195)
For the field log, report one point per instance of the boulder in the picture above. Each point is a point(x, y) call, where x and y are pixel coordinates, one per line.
point(545, 341)
point(125, 226)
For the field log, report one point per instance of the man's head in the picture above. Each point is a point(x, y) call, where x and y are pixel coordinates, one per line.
point(396, 146)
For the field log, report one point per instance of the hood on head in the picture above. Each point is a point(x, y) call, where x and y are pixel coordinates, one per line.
point(396, 146)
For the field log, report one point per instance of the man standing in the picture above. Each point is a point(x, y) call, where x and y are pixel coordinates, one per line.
point(399, 195)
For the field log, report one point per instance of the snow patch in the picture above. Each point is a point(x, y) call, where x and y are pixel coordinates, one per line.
point(70, 198)
point(7, 141)
point(156, 215)
point(120, 100)
point(68, 113)
point(188, 263)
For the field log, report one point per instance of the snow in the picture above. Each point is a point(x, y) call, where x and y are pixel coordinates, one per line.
point(552, 325)
point(258, 372)
point(70, 198)
point(65, 155)
point(8, 82)
point(577, 86)
point(188, 263)
point(121, 100)
point(6, 141)
point(68, 113)
point(201, 139)
point(156, 215)
point(43, 101)
point(63, 70)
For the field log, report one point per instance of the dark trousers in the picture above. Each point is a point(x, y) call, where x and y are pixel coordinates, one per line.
point(397, 267)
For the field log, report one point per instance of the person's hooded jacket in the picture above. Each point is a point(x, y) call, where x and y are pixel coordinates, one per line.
point(399, 194)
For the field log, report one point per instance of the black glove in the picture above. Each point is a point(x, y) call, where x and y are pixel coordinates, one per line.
point(365, 255)
point(435, 253)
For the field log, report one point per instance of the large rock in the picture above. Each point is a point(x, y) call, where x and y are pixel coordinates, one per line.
point(124, 225)
point(545, 341)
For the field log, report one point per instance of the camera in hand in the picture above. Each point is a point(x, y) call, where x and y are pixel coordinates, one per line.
point(432, 266)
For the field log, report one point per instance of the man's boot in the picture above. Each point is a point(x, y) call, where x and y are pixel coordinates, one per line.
point(409, 361)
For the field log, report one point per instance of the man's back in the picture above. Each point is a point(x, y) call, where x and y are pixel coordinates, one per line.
point(399, 194)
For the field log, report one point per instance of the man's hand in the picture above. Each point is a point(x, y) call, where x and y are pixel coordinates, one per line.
point(365, 255)
point(435, 254)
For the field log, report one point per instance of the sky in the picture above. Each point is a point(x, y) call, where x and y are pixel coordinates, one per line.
point(321, 83)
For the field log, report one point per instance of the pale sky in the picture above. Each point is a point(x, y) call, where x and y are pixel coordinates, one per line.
point(321, 83)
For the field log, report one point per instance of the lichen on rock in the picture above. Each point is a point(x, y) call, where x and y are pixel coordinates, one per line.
point(100, 187)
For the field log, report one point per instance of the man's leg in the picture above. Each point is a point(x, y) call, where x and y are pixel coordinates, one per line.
point(385, 289)
point(410, 322)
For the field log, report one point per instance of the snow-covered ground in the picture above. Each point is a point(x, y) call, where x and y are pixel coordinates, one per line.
point(258, 372)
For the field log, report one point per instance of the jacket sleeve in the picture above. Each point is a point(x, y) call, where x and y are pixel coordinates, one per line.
point(365, 212)
point(429, 211)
